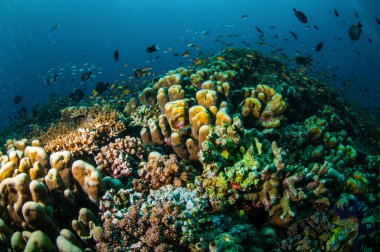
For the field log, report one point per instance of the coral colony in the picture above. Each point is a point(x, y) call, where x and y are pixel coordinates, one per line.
point(237, 154)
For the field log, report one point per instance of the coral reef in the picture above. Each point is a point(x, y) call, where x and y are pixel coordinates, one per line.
point(238, 153)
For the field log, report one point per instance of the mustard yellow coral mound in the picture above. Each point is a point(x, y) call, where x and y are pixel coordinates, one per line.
point(176, 114)
point(168, 81)
point(207, 98)
point(198, 116)
point(264, 104)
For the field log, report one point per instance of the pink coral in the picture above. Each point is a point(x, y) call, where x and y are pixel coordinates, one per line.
point(120, 157)
point(166, 170)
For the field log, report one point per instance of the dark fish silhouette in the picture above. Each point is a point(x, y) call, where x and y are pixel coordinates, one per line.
point(336, 13)
point(357, 52)
point(85, 76)
point(300, 16)
point(259, 30)
point(294, 35)
point(101, 87)
point(319, 47)
point(51, 79)
point(77, 94)
point(116, 55)
point(370, 40)
point(377, 20)
point(272, 27)
point(139, 73)
point(354, 31)
point(22, 112)
point(152, 48)
point(17, 99)
point(316, 27)
point(55, 27)
point(244, 16)
point(303, 60)
point(356, 14)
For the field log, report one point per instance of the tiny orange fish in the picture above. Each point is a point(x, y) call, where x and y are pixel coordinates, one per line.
point(186, 54)
point(197, 61)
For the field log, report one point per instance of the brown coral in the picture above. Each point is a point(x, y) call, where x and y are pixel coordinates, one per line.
point(95, 126)
point(119, 158)
point(165, 170)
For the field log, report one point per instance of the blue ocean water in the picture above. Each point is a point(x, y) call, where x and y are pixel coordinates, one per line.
point(88, 32)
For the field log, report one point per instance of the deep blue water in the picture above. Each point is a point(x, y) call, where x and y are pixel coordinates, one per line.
point(89, 31)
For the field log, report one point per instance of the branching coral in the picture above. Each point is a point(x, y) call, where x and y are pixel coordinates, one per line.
point(96, 126)
point(121, 157)
point(165, 170)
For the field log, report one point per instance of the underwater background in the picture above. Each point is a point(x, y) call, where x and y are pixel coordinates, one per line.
point(189, 125)
point(90, 31)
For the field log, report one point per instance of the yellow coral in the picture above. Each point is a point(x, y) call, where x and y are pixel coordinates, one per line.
point(208, 85)
point(207, 98)
point(198, 116)
point(176, 92)
point(148, 96)
point(130, 107)
point(162, 97)
point(223, 117)
point(176, 114)
point(265, 104)
point(272, 114)
point(252, 106)
point(168, 81)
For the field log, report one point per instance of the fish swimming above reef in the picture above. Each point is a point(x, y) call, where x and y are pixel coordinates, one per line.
point(244, 17)
point(139, 73)
point(305, 61)
point(300, 16)
point(17, 99)
point(55, 27)
point(86, 76)
point(354, 31)
point(51, 79)
point(319, 47)
point(294, 35)
point(116, 55)
point(152, 48)
point(336, 13)
point(259, 30)
point(101, 87)
point(77, 95)
point(22, 112)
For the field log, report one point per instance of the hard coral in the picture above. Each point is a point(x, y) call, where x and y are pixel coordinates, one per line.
point(165, 170)
point(95, 126)
point(121, 157)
